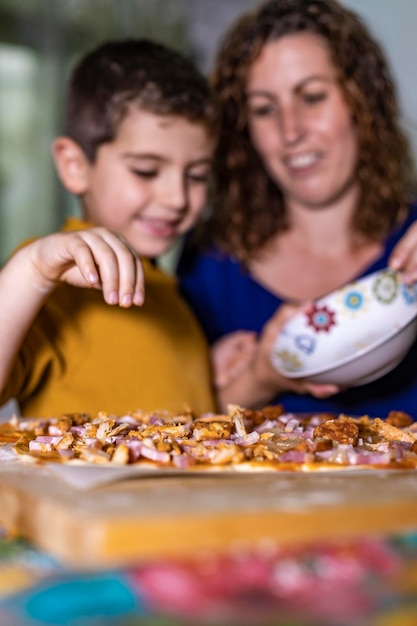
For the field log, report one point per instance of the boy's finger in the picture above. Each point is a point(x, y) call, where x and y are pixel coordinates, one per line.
point(139, 291)
point(81, 254)
point(105, 262)
point(129, 269)
point(131, 279)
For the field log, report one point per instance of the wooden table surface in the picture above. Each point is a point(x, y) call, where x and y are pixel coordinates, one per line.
point(147, 518)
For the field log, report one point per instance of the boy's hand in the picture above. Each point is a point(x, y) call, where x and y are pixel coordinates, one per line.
point(404, 256)
point(94, 257)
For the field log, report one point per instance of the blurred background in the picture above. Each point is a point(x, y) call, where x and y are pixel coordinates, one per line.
point(40, 40)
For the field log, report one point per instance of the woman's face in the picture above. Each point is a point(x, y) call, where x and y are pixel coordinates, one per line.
point(300, 123)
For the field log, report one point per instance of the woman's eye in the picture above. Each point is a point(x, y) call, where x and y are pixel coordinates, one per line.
point(261, 110)
point(314, 98)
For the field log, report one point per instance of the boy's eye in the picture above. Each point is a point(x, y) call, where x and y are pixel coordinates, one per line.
point(198, 178)
point(198, 174)
point(144, 173)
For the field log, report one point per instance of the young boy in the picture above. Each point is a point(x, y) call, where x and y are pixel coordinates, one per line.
point(137, 153)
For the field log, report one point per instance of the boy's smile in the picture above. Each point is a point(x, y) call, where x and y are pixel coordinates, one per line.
point(150, 183)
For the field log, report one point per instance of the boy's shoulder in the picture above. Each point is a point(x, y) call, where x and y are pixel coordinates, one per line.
point(75, 223)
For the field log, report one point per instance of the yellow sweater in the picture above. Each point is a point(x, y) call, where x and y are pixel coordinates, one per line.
point(81, 354)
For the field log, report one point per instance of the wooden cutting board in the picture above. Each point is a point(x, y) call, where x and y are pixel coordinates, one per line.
point(147, 518)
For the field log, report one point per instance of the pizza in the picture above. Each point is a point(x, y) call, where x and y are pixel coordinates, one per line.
point(269, 439)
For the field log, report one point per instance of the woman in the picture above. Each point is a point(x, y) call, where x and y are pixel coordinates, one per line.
point(311, 175)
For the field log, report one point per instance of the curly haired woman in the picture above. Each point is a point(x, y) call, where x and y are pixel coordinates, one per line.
point(310, 193)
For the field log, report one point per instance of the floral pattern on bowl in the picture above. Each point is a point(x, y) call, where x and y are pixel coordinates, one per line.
point(353, 335)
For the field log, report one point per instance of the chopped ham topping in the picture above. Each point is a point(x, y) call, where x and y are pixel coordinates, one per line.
point(268, 437)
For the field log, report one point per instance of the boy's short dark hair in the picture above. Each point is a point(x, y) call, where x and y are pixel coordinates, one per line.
point(118, 75)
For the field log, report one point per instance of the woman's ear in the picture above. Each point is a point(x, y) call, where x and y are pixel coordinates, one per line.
point(71, 164)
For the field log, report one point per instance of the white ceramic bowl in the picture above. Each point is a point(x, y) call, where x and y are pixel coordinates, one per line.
point(353, 335)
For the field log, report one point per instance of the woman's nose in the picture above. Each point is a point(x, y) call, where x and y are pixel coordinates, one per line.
point(291, 125)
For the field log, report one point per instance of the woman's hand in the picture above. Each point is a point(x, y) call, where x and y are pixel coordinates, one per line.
point(231, 355)
point(266, 372)
point(404, 256)
point(94, 257)
point(252, 380)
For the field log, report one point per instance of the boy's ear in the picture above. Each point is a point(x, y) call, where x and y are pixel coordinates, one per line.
point(71, 164)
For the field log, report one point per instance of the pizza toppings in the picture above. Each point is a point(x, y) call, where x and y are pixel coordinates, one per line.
point(342, 430)
point(261, 439)
point(399, 419)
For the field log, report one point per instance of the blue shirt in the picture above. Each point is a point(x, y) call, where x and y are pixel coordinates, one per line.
point(226, 298)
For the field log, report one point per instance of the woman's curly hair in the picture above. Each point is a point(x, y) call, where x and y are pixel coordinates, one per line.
point(248, 208)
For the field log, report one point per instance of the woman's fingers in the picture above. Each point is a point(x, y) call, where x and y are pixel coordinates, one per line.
point(231, 355)
point(322, 390)
point(404, 256)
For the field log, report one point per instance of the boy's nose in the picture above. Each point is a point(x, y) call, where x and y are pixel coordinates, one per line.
point(174, 193)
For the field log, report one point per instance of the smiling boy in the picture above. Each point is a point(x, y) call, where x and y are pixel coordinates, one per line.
point(136, 152)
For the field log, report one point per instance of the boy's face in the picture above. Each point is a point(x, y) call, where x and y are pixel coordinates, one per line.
point(150, 183)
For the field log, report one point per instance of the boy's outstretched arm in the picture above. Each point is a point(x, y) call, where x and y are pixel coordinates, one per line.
point(93, 257)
